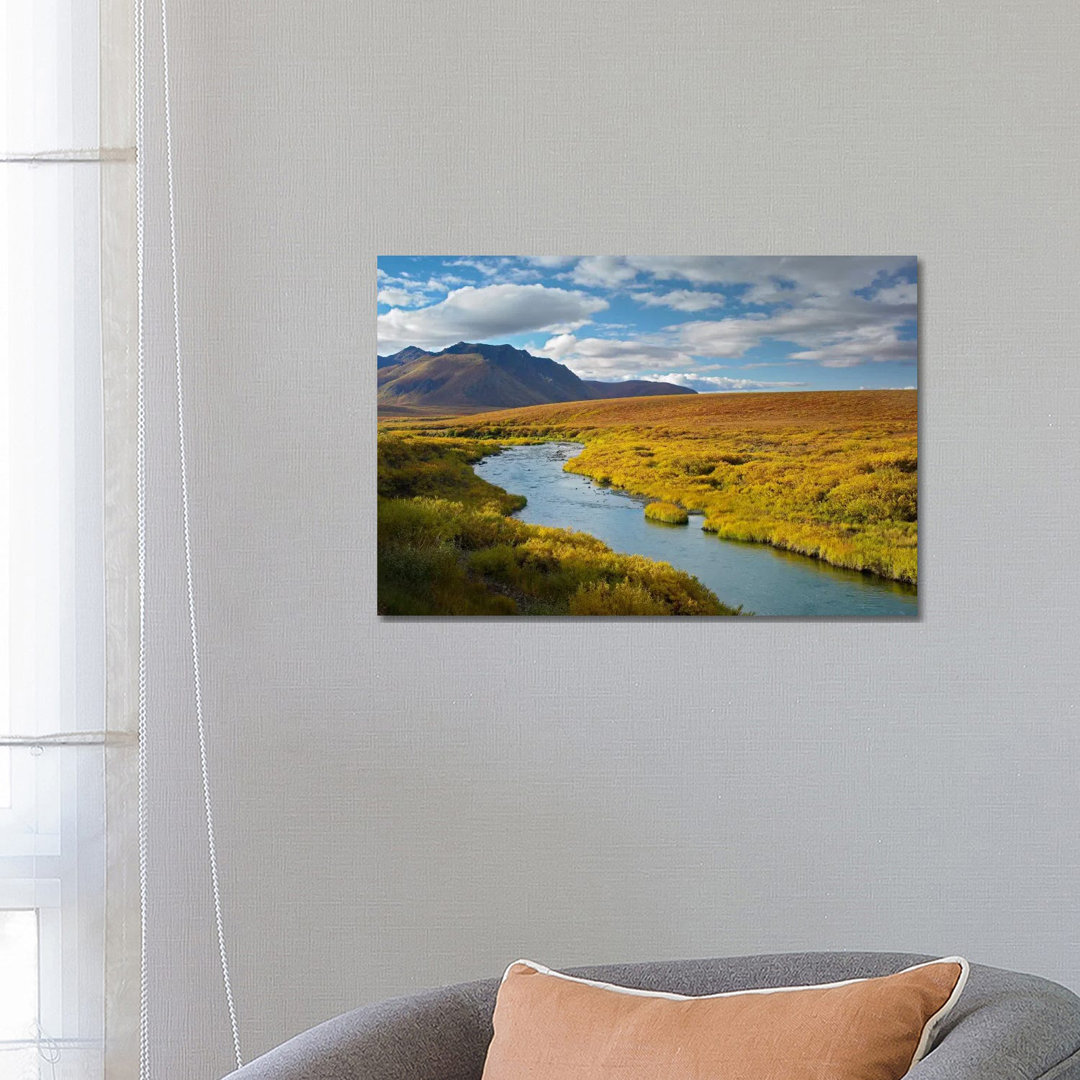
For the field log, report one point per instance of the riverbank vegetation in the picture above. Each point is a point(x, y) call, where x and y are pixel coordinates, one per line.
point(830, 474)
point(447, 547)
point(668, 513)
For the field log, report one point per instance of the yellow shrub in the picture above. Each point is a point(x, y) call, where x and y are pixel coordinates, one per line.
point(624, 598)
point(666, 512)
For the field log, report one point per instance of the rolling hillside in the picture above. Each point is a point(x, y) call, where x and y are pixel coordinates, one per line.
point(634, 388)
point(469, 376)
point(708, 415)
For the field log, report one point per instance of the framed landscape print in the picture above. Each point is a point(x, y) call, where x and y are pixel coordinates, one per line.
point(647, 436)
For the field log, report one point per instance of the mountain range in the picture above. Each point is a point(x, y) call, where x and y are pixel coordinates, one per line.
point(470, 377)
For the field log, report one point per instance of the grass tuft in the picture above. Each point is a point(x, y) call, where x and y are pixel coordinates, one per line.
point(666, 512)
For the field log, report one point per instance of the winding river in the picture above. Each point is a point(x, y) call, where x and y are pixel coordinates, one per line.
point(763, 579)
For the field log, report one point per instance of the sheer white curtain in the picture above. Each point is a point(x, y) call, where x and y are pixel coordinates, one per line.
point(52, 543)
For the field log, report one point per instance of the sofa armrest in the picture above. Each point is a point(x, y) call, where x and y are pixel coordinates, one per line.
point(441, 1034)
point(1007, 1026)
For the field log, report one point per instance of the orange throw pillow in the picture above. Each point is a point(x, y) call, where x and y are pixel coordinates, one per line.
point(550, 1026)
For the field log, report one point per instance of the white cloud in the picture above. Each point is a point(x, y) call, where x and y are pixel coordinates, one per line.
point(681, 299)
point(401, 297)
point(605, 358)
point(502, 269)
point(765, 279)
point(550, 262)
point(771, 363)
point(818, 303)
point(484, 266)
point(714, 384)
point(834, 331)
point(868, 344)
point(838, 343)
point(406, 291)
point(559, 346)
point(726, 338)
point(904, 293)
point(605, 271)
point(481, 313)
point(804, 275)
point(446, 282)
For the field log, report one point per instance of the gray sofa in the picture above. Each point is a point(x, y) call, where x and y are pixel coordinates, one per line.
point(1006, 1026)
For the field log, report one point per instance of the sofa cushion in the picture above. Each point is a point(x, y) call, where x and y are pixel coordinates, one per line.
point(551, 1026)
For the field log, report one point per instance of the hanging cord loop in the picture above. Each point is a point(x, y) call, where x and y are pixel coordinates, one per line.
point(182, 450)
point(140, 214)
point(140, 470)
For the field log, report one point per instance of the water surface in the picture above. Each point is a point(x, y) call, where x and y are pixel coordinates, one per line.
point(763, 579)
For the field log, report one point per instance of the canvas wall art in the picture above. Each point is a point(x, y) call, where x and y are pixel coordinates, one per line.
point(647, 436)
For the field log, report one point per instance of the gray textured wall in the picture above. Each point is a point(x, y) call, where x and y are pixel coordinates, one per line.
point(413, 803)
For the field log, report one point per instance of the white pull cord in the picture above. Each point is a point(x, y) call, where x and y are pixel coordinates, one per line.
point(182, 447)
point(140, 198)
point(140, 455)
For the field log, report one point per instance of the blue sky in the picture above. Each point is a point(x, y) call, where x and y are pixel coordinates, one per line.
point(713, 323)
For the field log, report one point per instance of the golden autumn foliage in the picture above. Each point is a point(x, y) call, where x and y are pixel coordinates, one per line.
point(408, 467)
point(829, 474)
point(446, 547)
point(666, 512)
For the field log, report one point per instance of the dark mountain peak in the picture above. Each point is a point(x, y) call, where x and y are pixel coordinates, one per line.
point(485, 350)
point(403, 356)
point(470, 374)
point(473, 374)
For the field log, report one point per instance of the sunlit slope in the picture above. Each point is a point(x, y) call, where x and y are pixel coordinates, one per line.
point(835, 410)
point(831, 474)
